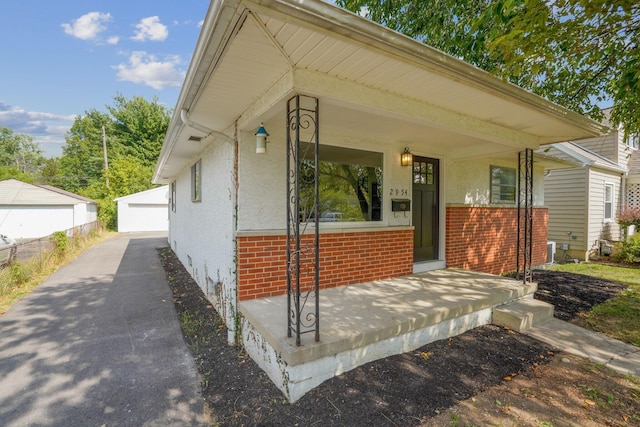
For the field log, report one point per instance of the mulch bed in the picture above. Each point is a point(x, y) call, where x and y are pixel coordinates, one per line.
point(400, 390)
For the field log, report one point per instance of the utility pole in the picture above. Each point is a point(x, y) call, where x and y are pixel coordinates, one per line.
point(106, 161)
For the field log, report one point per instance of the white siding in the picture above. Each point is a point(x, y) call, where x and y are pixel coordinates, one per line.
point(606, 146)
point(23, 222)
point(599, 228)
point(142, 217)
point(144, 211)
point(566, 197)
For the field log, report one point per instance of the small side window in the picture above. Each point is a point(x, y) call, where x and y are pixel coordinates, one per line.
point(196, 181)
point(608, 201)
point(173, 196)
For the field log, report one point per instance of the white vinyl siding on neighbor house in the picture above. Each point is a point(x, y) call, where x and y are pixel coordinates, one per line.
point(601, 228)
point(606, 146)
point(567, 207)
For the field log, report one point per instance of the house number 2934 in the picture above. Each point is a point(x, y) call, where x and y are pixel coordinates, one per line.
point(398, 192)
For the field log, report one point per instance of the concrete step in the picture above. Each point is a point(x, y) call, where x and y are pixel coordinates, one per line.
point(522, 314)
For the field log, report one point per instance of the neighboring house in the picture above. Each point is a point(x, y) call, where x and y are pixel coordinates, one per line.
point(144, 211)
point(309, 74)
point(31, 211)
point(583, 200)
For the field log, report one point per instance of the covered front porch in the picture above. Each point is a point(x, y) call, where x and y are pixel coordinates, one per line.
point(365, 322)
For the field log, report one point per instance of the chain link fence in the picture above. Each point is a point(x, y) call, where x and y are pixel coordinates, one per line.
point(32, 248)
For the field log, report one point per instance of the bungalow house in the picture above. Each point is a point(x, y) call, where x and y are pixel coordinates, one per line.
point(583, 200)
point(144, 211)
point(32, 211)
point(320, 166)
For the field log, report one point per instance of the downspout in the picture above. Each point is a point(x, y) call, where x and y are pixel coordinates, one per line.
point(197, 126)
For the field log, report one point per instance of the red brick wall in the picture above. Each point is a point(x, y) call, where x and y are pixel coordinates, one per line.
point(485, 238)
point(345, 258)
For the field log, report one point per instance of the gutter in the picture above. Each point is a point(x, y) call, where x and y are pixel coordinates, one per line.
point(197, 126)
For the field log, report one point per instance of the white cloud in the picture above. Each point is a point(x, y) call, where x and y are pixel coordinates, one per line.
point(88, 26)
point(150, 29)
point(48, 129)
point(146, 69)
point(113, 40)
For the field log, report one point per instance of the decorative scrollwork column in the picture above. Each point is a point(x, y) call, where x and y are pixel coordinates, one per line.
point(525, 215)
point(303, 244)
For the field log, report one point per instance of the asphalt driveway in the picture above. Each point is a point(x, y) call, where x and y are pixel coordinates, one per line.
point(99, 344)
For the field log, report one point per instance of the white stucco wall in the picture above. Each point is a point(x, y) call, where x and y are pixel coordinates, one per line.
point(262, 180)
point(202, 233)
point(469, 182)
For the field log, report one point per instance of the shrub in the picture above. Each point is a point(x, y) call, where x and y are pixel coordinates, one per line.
point(629, 216)
point(628, 250)
point(61, 242)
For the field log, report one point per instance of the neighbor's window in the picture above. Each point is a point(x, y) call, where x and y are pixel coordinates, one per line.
point(350, 185)
point(608, 201)
point(632, 141)
point(196, 181)
point(503, 185)
point(173, 196)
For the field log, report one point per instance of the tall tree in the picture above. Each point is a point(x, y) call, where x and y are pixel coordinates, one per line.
point(576, 53)
point(140, 126)
point(19, 151)
point(134, 127)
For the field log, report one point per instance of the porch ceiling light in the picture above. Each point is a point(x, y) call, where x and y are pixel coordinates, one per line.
point(261, 139)
point(406, 158)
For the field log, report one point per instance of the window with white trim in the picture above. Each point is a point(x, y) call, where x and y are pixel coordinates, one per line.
point(632, 141)
point(196, 181)
point(503, 185)
point(608, 201)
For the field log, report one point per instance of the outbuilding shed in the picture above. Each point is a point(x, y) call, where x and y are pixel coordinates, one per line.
point(144, 211)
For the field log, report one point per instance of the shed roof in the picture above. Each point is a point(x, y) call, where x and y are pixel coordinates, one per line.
point(253, 52)
point(15, 192)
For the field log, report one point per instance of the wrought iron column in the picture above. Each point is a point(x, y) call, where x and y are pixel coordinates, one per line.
point(303, 244)
point(525, 215)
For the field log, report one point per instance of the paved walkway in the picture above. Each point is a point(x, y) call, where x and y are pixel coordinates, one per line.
point(573, 339)
point(99, 344)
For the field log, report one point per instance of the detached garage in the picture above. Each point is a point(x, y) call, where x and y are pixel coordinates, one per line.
point(32, 211)
point(144, 211)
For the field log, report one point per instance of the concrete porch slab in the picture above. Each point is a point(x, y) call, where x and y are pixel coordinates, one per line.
point(364, 322)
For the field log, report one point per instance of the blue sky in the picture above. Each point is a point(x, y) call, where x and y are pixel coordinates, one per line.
point(60, 59)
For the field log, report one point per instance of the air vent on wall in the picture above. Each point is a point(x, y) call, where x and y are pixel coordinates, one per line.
point(195, 138)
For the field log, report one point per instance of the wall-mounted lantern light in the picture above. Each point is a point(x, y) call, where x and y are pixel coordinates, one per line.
point(406, 158)
point(261, 139)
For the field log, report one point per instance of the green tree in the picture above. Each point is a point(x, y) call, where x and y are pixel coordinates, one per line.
point(140, 127)
point(19, 151)
point(576, 53)
point(82, 159)
point(134, 128)
point(127, 175)
point(7, 172)
point(452, 26)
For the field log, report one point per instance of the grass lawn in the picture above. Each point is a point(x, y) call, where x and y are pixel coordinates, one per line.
point(619, 317)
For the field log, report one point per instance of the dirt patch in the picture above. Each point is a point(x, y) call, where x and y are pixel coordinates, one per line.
point(477, 378)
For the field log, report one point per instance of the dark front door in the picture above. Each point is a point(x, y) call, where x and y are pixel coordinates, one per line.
point(426, 173)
